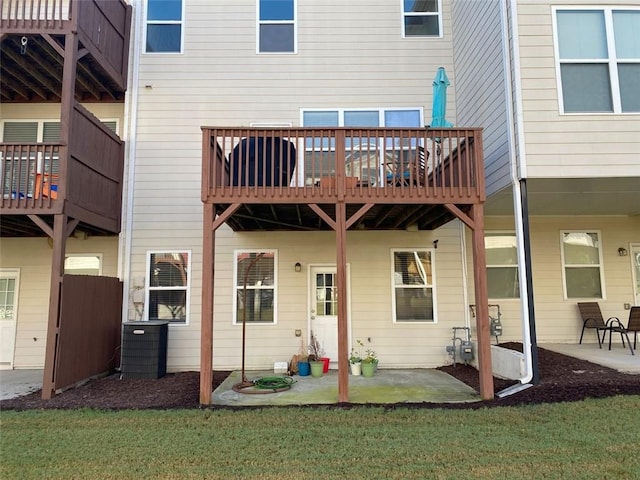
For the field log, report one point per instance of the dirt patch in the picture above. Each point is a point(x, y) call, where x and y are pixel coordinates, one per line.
point(562, 379)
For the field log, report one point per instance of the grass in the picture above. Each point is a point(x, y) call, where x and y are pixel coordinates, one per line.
point(581, 440)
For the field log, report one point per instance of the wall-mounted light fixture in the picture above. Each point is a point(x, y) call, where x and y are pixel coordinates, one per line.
point(622, 252)
point(298, 267)
point(435, 244)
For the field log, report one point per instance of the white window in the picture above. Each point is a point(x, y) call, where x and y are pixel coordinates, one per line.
point(83, 264)
point(421, 18)
point(598, 52)
point(413, 296)
point(502, 265)
point(168, 279)
point(276, 26)
point(254, 299)
point(582, 264)
point(164, 29)
point(360, 159)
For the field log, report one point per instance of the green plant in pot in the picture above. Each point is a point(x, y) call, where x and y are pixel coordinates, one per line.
point(355, 359)
point(316, 352)
point(369, 363)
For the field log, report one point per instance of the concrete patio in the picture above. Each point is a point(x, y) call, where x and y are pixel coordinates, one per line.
point(619, 357)
point(386, 386)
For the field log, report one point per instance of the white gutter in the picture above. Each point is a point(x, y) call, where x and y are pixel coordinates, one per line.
point(465, 282)
point(511, 58)
point(131, 124)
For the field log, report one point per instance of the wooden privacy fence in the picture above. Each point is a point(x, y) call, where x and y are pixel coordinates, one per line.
point(90, 324)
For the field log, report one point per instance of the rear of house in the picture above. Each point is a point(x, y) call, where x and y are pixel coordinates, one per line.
point(282, 65)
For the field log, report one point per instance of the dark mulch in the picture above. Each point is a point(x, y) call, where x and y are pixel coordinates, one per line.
point(562, 379)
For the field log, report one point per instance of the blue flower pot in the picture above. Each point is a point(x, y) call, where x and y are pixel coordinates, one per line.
point(304, 369)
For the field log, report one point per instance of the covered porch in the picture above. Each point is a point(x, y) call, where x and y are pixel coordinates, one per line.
point(338, 179)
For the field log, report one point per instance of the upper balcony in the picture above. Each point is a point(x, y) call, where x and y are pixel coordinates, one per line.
point(33, 43)
point(82, 179)
point(279, 178)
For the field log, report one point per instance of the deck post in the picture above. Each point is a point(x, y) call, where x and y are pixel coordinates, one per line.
point(206, 319)
point(482, 303)
point(341, 281)
point(53, 327)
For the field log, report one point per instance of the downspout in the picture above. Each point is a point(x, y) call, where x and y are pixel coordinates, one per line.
point(130, 126)
point(465, 279)
point(511, 58)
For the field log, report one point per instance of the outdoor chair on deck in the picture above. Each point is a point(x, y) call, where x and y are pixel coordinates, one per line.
point(408, 168)
point(592, 318)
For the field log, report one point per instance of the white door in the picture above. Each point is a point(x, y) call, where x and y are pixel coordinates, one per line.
point(324, 309)
point(635, 259)
point(8, 308)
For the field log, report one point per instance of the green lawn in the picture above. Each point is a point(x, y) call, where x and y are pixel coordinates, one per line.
point(589, 439)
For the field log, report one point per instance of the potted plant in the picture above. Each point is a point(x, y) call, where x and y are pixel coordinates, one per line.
point(369, 363)
point(300, 362)
point(316, 352)
point(355, 359)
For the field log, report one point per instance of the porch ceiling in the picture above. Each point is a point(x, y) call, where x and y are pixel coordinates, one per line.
point(573, 196)
point(33, 74)
point(273, 217)
point(23, 226)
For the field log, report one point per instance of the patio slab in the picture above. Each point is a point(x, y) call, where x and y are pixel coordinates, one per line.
point(15, 383)
point(619, 357)
point(386, 386)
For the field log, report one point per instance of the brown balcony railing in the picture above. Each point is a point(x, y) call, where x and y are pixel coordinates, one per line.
point(383, 165)
point(29, 174)
point(49, 14)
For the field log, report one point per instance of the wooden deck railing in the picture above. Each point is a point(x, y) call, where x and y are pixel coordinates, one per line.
point(382, 165)
point(35, 14)
point(38, 177)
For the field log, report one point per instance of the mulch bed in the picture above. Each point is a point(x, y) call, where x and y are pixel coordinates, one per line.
point(562, 379)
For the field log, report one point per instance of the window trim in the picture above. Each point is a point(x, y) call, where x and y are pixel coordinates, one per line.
point(381, 111)
point(600, 265)
point(515, 265)
point(293, 22)
point(147, 22)
point(234, 304)
point(611, 61)
point(403, 14)
point(432, 253)
point(148, 287)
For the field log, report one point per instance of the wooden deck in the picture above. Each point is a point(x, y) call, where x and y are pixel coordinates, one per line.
point(339, 179)
point(278, 178)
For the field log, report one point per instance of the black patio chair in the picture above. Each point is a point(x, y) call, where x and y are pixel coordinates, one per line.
point(592, 318)
point(632, 326)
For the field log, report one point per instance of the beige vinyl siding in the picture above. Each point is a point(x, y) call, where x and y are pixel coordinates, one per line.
point(576, 145)
point(369, 262)
point(557, 319)
point(480, 85)
point(347, 57)
point(33, 257)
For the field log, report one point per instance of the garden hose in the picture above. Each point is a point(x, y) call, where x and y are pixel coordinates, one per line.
point(264, 385)
point(273, 383)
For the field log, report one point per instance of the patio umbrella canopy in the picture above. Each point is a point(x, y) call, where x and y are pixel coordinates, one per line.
point(439, 108)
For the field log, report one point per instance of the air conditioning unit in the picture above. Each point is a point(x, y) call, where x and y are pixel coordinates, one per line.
point(144, 349)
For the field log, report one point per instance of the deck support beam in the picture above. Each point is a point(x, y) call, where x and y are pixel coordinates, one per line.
point(482, 302)
point(341, 283)
point(206, 319)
